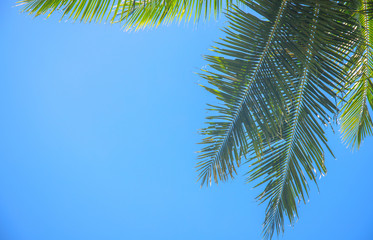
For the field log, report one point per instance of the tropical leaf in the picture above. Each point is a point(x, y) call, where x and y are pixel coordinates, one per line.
point(285, 165)
point(134, 14)
point(356, 122)
point(250, 81)
point(309, 42)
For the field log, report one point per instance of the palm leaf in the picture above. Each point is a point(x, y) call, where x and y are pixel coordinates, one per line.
point(285, 165)
point(356, 121)
point(249, 80)
point(133, 13)
point(309, 41)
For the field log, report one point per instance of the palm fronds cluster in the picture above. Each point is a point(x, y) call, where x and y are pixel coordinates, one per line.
point(136, 14)
point(284, 71)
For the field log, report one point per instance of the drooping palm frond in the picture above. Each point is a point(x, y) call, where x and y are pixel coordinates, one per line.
point(356, 122)
point(132, 13)
point(311, 40)
point(250, 80)
point(283, 167)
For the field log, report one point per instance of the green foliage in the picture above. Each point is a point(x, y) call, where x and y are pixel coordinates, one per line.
point(135, 14)
point(276, 74)
point(275, 79)
point(356, 121)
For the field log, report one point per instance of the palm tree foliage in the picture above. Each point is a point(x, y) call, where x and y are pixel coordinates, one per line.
point(277, 75)
point(355, 118)
point(134, 13)
point(296, 49)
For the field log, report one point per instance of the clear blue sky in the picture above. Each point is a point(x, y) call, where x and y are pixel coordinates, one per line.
point(98, 138)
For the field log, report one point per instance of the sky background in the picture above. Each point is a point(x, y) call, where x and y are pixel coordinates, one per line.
point(98, 133)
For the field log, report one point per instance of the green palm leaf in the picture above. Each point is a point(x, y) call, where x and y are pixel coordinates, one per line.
point(300, 152)
point(306, 68)
point(133, 13)
point(250, 81)
point(355, 118)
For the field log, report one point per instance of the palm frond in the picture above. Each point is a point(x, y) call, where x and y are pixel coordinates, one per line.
point(250, 81)
point(134, 14)
point(356, 122)
point(285, 165)
point(301, 72)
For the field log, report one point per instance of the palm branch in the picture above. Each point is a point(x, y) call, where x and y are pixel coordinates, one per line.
point(356, 122)
point(249, 81)
point(133, 13)
point(305, 47)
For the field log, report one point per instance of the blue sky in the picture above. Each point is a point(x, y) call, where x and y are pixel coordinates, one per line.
point(98, 139)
